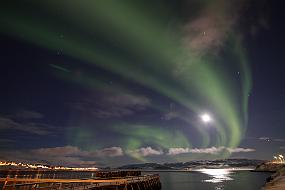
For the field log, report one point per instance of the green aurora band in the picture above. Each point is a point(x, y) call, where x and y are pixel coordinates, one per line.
point(197, 82)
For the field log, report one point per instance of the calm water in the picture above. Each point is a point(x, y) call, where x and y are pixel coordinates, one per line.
point(212, 179)
point(216, 179)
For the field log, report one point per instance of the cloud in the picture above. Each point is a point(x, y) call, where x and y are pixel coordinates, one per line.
point(145, 151)
point(16, 155)
point(60, 151)
point(58, 156)
point(212, 150)
point(7, 141)
point(33, 128)
point(176, 151)
point(110, 152)
point(268, 139)
point(27, 114)
point(264, 138)
point(259, 17)
point(209, 30)
point(113, 112)
point(65, 155)
point(74, 151)
point(171, 115)
point(121, 105)
point(74, 161)
point(236, 150)
point(126, 100)
point(115, 105)
point(279, 140)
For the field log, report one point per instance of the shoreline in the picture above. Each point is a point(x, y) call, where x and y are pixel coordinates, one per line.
point(142, 170)
point(277, 180)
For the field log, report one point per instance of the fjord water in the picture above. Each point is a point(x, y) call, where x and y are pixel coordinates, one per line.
point(213, 179)
point(204, 179)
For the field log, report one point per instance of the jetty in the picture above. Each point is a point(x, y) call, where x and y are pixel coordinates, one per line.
point(120, 180)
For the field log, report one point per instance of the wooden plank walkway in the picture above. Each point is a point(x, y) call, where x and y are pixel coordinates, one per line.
point(78, 184)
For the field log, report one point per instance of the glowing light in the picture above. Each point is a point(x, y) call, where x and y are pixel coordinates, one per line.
point(37, 166)
point(279, 159)
point(206, 118)
point(217, 175)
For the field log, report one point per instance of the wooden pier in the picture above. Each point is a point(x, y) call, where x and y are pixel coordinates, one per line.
point(144, 182)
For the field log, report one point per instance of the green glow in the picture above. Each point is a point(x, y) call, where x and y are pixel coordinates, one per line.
point(151, 135)
point(202, 83)
point(59, 68)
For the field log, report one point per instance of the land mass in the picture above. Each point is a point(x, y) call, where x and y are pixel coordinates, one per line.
point(277, 180)
point(192, 165)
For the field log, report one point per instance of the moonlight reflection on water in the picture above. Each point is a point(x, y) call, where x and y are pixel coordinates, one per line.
point(216, 179)
point(217, 175)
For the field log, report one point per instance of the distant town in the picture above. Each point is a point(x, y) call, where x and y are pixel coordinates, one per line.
point(190, 165)
point(43, 166)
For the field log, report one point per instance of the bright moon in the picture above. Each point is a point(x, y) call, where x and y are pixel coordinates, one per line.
point(206, 118)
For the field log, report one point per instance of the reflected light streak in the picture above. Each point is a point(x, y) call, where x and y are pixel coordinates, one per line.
point(217, 175)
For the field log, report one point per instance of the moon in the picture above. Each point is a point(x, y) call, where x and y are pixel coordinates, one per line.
point(206, 118)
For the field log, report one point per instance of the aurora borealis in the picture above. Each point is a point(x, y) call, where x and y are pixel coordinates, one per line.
point(127, 81)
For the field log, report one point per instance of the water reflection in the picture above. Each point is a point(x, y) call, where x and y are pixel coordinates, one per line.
point(217, 175)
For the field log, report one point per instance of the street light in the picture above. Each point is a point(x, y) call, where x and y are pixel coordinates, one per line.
point(281, 158)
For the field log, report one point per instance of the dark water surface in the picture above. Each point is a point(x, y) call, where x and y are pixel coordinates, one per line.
point(212, 179)
point(216, 179)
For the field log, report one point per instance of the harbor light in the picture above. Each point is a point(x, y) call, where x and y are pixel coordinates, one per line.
point(279, 159)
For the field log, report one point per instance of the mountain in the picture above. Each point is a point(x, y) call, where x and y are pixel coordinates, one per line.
point(225, 163)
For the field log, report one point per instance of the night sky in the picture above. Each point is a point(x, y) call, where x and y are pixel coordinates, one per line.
point(105, 83)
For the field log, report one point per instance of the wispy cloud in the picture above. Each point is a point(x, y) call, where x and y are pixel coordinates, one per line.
point(65, 155)
point(118, 105)
point(212, 150)
point(268, 139)
point(110, 152)
point(264, 138)
point(171, 115)
point(4, 141)
point(29, 127)
point(236, 150)
point(28, 114)
point(145, 151)
point(68, 151)
point(260, 18)
point(127, 100)
point(279, 140)
point(209, 30)
point(60, 151)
